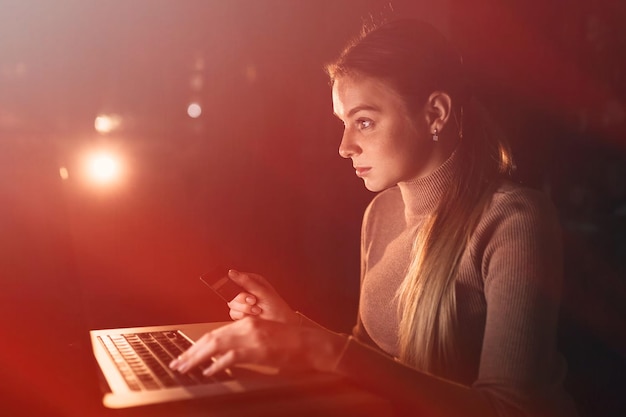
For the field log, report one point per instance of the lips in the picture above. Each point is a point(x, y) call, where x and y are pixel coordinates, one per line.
point(362, 171)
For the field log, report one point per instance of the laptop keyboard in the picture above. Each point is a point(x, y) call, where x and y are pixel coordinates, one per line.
point(143, 359)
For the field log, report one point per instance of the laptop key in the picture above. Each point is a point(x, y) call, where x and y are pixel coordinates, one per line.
point(143, 360)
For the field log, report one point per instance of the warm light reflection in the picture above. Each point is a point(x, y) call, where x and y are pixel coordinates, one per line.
point(194, 110)
point(107, 123)
point(64, 173)
point(196, 82)
point(103, 168)
point(251, 73)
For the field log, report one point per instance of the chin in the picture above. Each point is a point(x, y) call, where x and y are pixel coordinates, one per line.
point(376, 187)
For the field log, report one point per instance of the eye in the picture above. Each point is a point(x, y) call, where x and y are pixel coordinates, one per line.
point(364, 123)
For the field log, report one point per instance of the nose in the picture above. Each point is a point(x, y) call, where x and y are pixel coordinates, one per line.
point(348, 146)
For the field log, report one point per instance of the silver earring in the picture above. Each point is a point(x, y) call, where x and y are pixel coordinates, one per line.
point(435, 136)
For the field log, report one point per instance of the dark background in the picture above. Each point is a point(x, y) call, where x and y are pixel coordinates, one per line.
point(255, 182)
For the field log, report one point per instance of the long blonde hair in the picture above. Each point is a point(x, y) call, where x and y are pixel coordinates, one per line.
point(416, 60)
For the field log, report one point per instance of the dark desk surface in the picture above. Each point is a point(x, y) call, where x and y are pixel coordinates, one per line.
point(336, 400)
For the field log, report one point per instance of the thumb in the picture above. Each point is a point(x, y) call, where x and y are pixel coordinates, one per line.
point(252, 283)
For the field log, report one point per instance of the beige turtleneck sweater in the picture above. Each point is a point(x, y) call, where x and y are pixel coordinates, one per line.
point(507, 293)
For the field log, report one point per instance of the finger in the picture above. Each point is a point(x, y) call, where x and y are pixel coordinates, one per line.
point(252, 310)
point(198, 353)
point(252, 283)
point(221, 363)
point(245, 298)
point(236, 315)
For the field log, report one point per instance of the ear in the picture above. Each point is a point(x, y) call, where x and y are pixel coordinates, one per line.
point(438, 110)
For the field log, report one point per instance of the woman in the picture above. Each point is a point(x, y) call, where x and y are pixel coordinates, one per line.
point(468, 261)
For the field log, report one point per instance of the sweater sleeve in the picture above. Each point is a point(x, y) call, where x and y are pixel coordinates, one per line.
point(409, 391)
point(521, 372)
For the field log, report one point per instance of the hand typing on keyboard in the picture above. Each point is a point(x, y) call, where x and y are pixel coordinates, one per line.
point(263, 342)
point(266, 332)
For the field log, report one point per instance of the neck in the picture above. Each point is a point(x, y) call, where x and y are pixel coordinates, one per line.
point(421, 196)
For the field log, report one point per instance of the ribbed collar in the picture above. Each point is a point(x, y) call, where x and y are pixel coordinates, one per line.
point(422, 195)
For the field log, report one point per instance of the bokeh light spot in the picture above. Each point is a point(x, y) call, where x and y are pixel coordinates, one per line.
point(103, 168)
point(194, 110)
point(107, 123)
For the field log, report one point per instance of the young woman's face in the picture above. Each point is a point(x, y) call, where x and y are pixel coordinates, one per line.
point(387, 145)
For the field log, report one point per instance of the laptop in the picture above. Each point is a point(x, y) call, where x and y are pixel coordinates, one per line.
point(134, 363)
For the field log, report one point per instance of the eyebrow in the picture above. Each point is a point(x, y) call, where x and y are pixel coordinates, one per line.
point(359, 108)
